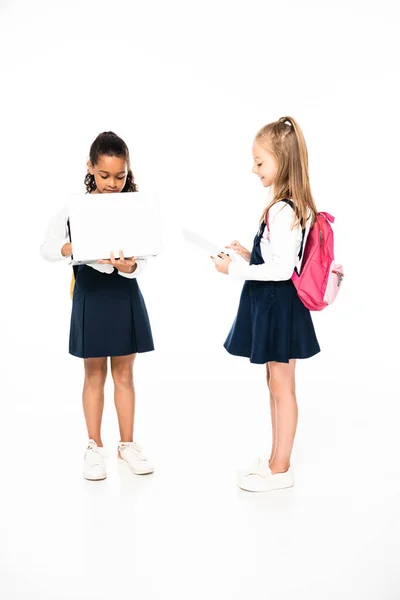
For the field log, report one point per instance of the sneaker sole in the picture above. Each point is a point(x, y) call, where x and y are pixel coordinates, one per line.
point(128, 466)
point(94, 478)
point(274, 489)
point(254, 488)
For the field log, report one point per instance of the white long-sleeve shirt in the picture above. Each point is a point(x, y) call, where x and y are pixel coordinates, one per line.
point(280, 253)
point(57, 235)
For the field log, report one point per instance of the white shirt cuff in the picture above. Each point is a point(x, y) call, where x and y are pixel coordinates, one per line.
point(139, 269)
point(238, 270)
point(51, 251)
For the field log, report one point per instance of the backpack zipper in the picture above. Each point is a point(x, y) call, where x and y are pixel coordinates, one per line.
point(340, 277)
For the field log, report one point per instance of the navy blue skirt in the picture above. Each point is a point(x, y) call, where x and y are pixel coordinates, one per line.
point(272, 324)
point(109, 316)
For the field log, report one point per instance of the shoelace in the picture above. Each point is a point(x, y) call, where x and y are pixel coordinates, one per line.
point(259, 467)
point(97, 450)
point(133, 450)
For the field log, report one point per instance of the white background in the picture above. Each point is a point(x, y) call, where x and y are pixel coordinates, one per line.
point(187, 85)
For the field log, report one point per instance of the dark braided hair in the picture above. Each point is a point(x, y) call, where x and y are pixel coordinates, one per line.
point(110, 144)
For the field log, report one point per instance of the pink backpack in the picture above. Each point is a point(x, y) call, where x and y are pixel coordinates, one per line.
point(320, 276)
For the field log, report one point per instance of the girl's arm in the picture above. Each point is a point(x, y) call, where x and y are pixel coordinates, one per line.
point(281, 260)
point(141, 265)
point(55, 238)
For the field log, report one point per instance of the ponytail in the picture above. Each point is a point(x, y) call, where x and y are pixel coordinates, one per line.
point(286, 140)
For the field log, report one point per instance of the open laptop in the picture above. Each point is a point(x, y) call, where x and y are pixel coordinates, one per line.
point(105, 223)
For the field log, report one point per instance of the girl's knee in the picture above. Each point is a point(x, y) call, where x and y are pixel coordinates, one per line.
point(281, 379)
point(122, 370)
point(96, 372)
point(122, 373)
point(123, 376)
point(281, 389)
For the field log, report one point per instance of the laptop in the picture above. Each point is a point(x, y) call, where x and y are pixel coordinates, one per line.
point(105, 223)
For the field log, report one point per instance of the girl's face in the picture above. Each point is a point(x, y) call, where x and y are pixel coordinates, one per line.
point(265, 165)
point(110, 174)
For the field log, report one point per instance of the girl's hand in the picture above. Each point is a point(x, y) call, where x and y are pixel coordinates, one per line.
point(66, 250)
point(125, 265)
point(222, 265)
point(239, 249)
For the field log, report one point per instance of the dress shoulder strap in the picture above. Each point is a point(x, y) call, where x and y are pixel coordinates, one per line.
point(303, 228)
point(75, 267)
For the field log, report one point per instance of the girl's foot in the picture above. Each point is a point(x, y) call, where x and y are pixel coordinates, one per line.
point(130, 454)
point(259, 478)
point(93, 467)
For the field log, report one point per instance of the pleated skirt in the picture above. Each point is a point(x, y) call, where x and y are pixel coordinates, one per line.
point(109, 316)
point(272, 324)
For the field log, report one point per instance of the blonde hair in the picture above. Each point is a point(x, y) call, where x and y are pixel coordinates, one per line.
point(285, 140)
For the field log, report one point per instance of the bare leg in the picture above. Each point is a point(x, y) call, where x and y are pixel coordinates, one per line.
point(282, 385)
point(272, 403)
point(124, 395)
point(93, 396)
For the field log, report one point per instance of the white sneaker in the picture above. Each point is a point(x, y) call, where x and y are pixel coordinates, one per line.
point(94, 467)
point(133, 458)
point(259, 478)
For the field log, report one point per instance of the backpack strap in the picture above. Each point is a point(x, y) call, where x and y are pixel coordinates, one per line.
point(75, 267)
point(303, 230)
point(291, 203)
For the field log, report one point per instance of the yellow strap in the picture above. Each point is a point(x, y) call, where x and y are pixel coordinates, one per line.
point(71, 286)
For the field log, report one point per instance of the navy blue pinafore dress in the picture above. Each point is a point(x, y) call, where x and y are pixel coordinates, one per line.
point(272, 323)
point(109, 316)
